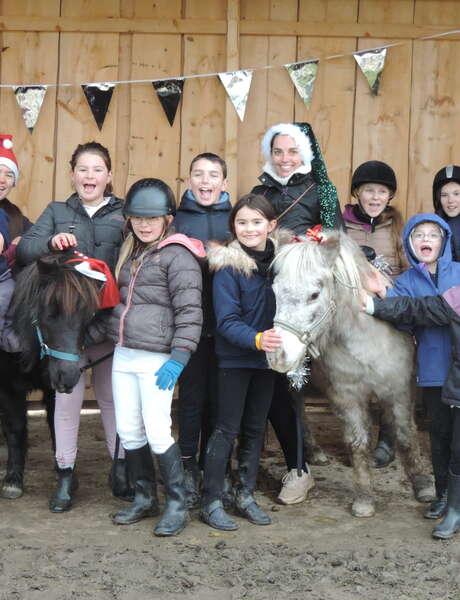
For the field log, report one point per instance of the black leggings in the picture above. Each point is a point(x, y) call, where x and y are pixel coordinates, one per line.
point(282, 416)
point(198, 400)
point(244, 400)
point(444, 435)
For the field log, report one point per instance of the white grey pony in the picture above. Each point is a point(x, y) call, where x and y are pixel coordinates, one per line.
point(356, 358)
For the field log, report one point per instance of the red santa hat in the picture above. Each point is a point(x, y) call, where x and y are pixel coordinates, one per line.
point(97, 269)
point(7, 156)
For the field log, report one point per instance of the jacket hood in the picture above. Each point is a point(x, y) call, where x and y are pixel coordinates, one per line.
point(193, 245)
point(188, 203)
point(233, 256)
point(353, 212)
point(446, 250)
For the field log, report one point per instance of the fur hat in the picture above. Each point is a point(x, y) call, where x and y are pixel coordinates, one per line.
point(303, 135)
point(299, 137)
point(7, 156)
point(443, 176)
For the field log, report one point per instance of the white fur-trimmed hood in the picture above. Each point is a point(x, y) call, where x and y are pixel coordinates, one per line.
point(232, 255)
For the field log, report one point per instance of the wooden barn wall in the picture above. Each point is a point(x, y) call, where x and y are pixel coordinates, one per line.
point(412, 124)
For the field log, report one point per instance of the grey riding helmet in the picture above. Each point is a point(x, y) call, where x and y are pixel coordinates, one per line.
point(443, 176)
point(149, 198)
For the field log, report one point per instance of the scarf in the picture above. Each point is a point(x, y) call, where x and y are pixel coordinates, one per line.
point(262, 258)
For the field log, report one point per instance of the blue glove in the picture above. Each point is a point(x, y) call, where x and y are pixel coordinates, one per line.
point(168, 374)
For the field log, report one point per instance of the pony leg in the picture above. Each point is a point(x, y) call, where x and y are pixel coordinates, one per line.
point(356, 427)
point(409, 447)
point(314, 454)
point(14, 425)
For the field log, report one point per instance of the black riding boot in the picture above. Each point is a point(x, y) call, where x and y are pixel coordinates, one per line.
point(192, 481)
point(212, 511)
point(384, 452)
point(174, 517)
point(119, 480)
point(67, 483)
point(228, 498)
point(451, 522)
point(249, 457)
point(142, 472)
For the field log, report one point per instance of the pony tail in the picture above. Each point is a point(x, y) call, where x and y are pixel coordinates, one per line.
point(126, 251)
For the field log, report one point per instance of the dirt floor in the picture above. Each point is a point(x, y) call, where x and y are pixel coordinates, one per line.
point(315, 550)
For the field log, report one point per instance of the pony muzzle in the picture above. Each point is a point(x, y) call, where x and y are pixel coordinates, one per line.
point(289, 355)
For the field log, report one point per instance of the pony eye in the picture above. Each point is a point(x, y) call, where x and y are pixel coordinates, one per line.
point(314, 296)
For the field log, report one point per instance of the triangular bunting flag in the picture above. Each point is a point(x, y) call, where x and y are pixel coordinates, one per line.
point(237, 84)
point(371, 63)
point(30, 100)
point(99, 96)
point(303, 76)
point(169, 94)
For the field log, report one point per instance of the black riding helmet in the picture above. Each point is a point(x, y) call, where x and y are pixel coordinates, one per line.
point(374, 171)
point(445, 175)
point(149, 198)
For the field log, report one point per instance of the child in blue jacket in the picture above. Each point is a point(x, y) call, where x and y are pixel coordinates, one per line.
point(244, 305)
point(427, 242)
point(436, 311)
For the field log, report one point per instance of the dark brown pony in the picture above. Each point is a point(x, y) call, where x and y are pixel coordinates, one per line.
point(55, 302)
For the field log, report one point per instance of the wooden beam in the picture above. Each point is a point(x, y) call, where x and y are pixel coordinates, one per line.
point(403, 31)
point(231, 117)
point(344, 30)
point(113, 25)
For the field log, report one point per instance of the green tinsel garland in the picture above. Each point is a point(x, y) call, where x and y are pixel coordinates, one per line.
point(326, 190)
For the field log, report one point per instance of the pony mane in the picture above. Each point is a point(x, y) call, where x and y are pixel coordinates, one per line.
point(50, 280)
point(337, 256)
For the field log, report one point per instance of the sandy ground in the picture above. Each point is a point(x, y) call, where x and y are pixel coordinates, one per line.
point(314, 550)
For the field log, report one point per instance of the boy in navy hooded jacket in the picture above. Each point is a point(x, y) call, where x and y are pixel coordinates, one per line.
point(203, 214)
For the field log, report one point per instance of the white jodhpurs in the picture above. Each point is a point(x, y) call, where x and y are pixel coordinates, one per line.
point(142, 410)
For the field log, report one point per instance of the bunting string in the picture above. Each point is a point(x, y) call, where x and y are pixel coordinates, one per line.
point(217, 73)
point(237, 84)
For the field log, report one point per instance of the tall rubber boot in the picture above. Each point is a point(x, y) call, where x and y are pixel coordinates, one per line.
point(67, 484)
point(145, 502)
point(212, 510)
point(175, 514)
point(248, 465)
point(192, 481)
point(119, 480)
point(451, 522)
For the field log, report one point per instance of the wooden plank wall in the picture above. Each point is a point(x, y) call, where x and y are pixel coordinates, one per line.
point(412, 124)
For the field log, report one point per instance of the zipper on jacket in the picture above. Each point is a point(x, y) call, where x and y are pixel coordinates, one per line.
point(128, 305)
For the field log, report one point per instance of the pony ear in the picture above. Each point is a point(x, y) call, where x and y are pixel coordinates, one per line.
point(50, 263)
point(330, 246)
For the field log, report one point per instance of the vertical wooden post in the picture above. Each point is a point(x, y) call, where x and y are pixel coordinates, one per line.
point(231, 117)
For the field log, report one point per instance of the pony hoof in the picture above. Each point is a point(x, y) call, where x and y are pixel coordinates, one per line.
point(317, 458)
point(363, 508)
point(423, 489)
point(11, 492)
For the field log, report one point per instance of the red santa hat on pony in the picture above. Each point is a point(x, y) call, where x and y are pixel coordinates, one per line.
point(7, 156)
point(97, 269)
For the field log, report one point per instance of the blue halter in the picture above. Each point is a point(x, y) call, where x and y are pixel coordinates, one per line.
point(46, 351)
